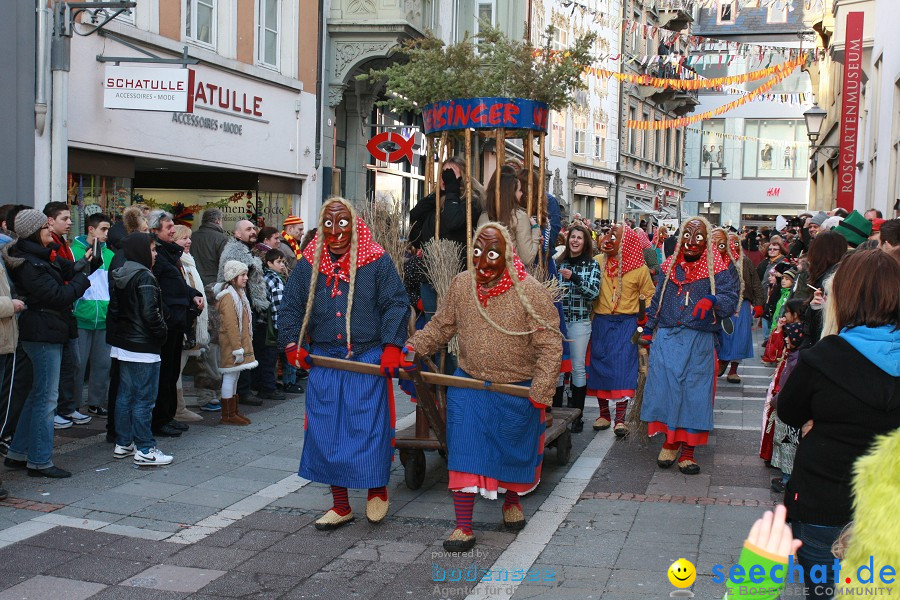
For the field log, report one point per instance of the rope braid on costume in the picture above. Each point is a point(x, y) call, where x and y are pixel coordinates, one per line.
point(617, 292)
point(517, 285)
point(710, 261)
point(317, 261)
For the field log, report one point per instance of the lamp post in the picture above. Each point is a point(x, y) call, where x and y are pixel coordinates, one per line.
point(709, 190)
point(814, 118)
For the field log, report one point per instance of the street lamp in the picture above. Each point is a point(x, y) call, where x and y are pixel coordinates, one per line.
point(708, 203)
point(814, 118)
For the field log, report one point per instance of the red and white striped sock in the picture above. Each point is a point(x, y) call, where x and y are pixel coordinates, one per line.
point(341, 502)
point(463, 504)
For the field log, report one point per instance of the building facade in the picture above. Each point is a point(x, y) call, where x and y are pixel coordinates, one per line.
point(762, 145)
point(651, 162)
point(247, 145)
point(877, 178)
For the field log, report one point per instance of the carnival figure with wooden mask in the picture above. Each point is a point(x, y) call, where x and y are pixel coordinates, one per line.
point(613, 366)
point(506, 323)
point(699, 289)
point(345, 299)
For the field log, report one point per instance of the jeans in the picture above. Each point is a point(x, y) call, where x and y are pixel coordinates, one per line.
point(71, 364)
point(816, 550)
point(288, 371)
point(92, 347)
point(138, 384)
point(579, 338)
point(268, 368)
point(33, 440)
point(15, 388)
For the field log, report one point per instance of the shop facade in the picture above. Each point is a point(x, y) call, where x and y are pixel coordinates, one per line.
point(246, 146)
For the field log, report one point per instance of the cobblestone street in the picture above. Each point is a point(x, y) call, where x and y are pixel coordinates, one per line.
point(231, 519)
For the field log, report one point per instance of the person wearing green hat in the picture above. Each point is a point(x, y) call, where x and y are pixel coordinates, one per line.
point(855, 228)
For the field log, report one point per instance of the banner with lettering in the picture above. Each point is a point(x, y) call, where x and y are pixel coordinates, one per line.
point(485, 113)
point(851, 91)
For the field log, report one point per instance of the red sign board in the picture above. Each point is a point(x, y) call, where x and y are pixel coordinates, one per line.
point(850, 95)
point(400, 147)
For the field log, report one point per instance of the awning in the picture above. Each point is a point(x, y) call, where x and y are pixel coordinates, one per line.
point(639, 205)
point(595, 175)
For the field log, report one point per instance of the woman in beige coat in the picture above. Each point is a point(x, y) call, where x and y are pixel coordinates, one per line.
point(235, 337)
point(200, 334)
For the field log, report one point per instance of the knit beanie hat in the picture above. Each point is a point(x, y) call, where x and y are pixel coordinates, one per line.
point(794, 333)
point(293, 220)
point(28, 222)
point(233, 268)
point(819, 218)
point(792, 273)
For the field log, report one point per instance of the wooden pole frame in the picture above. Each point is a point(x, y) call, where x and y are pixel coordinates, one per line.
point(468, 134)
point(529, 164)
point(542, 196)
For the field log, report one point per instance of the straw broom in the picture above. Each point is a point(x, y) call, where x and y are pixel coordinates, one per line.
point(442, 258)
point(385, 220)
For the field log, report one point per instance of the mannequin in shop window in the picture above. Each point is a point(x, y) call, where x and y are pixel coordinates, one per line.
point(765, 156)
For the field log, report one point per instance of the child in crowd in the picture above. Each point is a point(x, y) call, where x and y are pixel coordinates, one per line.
point(235, 337)
point(793, 311)
point(275, 275)
point(785, 438)
point(781, 348)
point(779, 292)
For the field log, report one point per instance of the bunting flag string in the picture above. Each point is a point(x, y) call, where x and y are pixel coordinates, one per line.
point(749, 138)
point(779, 71)
point(685, 121)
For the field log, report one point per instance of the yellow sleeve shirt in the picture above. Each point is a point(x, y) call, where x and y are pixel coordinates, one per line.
point(635, 283)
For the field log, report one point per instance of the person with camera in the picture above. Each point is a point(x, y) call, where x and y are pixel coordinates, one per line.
point(50, 286)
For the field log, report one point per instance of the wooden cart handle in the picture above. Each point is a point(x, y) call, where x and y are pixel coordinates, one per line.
point(432, 378)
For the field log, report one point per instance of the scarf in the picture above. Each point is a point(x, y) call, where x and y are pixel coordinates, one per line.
point(293, 243)
point(505, 283)
point(367, 251)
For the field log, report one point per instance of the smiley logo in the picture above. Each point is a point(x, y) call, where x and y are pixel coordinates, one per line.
point(682, 573)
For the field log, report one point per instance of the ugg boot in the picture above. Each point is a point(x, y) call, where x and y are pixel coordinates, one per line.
point(578, 395)
point(236, 413)
point(229, 408)
point(183, 414)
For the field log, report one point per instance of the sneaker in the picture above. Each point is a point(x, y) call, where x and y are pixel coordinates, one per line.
point(211, 407)
point(273, 395)
point(60, 422)
point(153, 456)
point(302, 374)
point(293, 388)
point(78, 418)
point(98, 411)
point(123, 451)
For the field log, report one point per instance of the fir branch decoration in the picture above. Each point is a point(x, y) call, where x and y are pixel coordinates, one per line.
point(490, 65)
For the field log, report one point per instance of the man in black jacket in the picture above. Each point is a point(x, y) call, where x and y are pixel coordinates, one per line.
point(183, 303)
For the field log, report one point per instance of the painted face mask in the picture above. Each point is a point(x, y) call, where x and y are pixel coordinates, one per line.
point(734, 246)
point(609, 243)
point(489, 256)
point(719, 240)
point(694, 239)
point(338, 225)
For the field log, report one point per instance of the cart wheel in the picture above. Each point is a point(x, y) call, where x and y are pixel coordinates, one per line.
point(414, 469)
point(563, 447)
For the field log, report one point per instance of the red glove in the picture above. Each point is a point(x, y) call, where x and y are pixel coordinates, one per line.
point(298, 356)
point(757, 312)
point(642, 322)
point(537, 405)
point(392, 361)
point(419, 306)
point(704, 306)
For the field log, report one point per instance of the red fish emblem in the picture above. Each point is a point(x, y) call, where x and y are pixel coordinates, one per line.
point(401, 147)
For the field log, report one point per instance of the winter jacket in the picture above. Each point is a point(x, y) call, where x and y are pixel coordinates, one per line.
point(581, 289)
point(525, 237)
point(90, 309)
point(206, 248)
point(9, 325)
point(201, 326)
point(762, 270)
point(49, 286)
point(235, 330)
point(849, 386)
point(177, 295)
point(237, 250)
point(753, 289)
point(135, 310)
point(453, 219)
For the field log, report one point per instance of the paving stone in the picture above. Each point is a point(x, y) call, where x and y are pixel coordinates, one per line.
point(384, 552)
point(272, 521)
point(207, 497)
point(99, 569)
point(151, 524)
point(123, 504)
point(22, 558)
point(208, 557)
point(140, 550)
point(149, 489)
point(176, 512)
point(227, 483)
point(249, 585)
point(72, 540)
point(280, 563)
point(9, 578)
point(248, 539)
point(257, 474)
point(119, 592)
point(173, 579)
point(674, 483)
point(48, 588)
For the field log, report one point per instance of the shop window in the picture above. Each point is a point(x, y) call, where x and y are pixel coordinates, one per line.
point(581, 136)
point(775, 148)
point(557, 131)
point(632, 132)
point(484, 13)
point(267, 32)
point(200, 21)
point(89, 194)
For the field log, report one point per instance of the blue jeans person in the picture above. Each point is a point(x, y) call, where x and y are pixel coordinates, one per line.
point(33, 440)
point(67, 402)
point(289, 371)
point(816, 550)
point(138, 386)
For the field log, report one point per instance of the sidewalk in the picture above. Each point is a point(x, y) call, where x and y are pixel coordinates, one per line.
point(231, 519)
